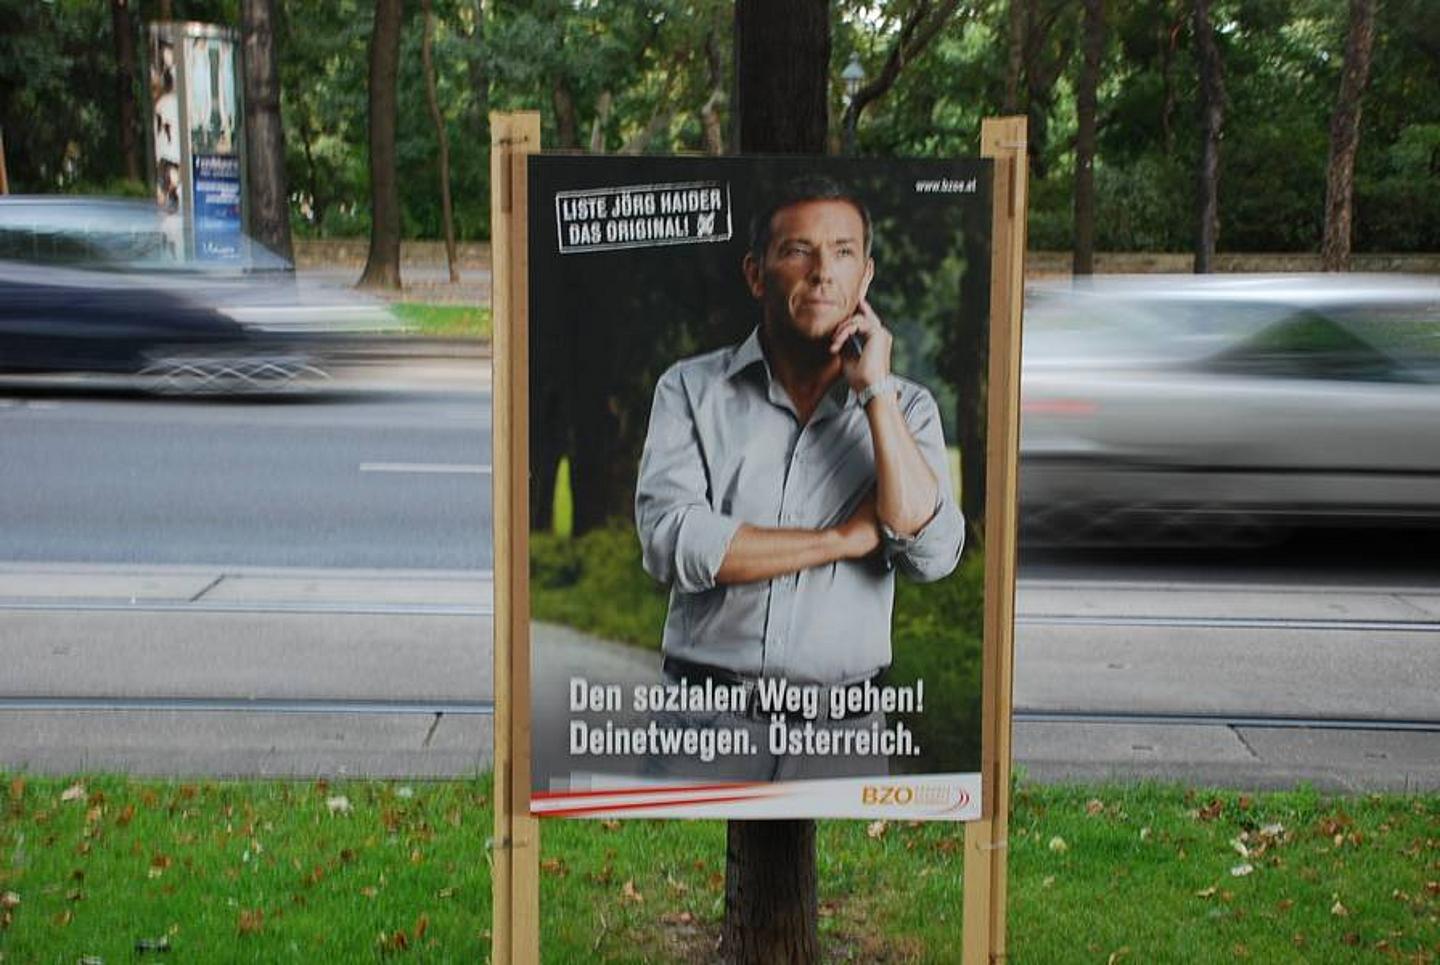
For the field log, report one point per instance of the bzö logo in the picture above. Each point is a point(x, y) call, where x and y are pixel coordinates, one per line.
point(881, 796)
point(900, 795)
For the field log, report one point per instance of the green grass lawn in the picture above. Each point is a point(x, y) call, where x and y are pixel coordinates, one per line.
point(268, 871)
point(446, 321)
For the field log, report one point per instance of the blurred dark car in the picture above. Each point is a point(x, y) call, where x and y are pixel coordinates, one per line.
point(1214, 410)
point(93, 285)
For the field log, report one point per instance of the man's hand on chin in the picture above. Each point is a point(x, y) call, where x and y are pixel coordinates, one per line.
point(873, 363)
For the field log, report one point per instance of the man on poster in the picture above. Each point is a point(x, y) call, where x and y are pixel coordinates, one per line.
point(784, 480)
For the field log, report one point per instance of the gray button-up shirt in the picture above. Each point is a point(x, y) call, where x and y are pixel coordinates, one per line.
point(724, 447)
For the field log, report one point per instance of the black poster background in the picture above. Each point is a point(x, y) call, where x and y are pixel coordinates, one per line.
point(604, 325)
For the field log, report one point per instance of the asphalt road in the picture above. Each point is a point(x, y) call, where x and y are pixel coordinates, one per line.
point(302, 588)
point(380, 472)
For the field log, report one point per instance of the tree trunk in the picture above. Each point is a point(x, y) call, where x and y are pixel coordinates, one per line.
point(475, 67)
point(782, 63)
point(1083, 262)
point(427, 61)
point(1043, 67)
point(782, 60)
point(770, 893)
point(919, 27)
point(1212, 121)
point(123, 28)
point(1015, 60)
point(567, 125)
point(710, 111)
point(1345, 137)
point(1169, 42)
point(382, 267)
point(264, 131)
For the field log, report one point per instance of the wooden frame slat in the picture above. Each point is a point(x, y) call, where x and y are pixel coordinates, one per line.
point(516, 870)
point(1004, 140)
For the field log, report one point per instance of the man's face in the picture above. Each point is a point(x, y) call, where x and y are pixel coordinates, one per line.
point(815, 269)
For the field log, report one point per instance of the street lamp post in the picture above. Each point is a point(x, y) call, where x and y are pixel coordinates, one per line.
point(853, 76)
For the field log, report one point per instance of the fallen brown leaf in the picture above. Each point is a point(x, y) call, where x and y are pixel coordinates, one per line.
point(1207, 892)
point(9, 900)
point(126, 815)
point(1211, 811)
point(554, 866)
point(611, 825)
point(17, 789)
point(75, 792)
point(1094, 806)
point(250, 922)
point(422, 925)
point(1339, 910)
point(875, 830)
point(628, 893)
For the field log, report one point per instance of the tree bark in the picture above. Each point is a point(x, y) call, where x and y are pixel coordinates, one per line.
point(1212, 122)
point(123, 28)
point(432, 97)
point(1345, 137)
point(264, 131)
point(1043, 68)
point(479, 74)
point(382, 267)
point(770, 893)
point(1015, 58)
point(710, 111)
point(1083, 261)
point(782, 63)
point(567, 124)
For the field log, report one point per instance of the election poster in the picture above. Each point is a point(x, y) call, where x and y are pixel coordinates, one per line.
point(757, 427)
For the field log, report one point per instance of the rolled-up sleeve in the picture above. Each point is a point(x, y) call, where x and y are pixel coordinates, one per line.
point(683, 541)
point(933, 552)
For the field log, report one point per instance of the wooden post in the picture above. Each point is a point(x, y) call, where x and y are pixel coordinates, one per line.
point(1001, 138)
point(516, 874)
point(4, 178)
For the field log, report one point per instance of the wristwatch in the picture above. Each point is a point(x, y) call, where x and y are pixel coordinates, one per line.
point(886, 384)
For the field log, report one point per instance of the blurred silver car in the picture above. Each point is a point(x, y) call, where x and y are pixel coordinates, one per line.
point(1215, 409)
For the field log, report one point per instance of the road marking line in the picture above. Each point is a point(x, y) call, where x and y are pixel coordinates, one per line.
point(437, 468)
point(282, 705)
point(1224, 623)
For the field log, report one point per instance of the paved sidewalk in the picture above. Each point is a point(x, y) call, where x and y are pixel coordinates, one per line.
point(258, 671)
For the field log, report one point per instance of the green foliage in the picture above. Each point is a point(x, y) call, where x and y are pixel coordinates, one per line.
point(638, 77)
point(595, 583)
point(938, 638)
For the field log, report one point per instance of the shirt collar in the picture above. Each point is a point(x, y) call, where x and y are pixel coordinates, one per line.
point(749, 353)
point(746, 354)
